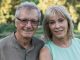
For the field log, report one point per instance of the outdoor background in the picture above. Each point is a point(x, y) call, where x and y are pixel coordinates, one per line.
point(7, 10)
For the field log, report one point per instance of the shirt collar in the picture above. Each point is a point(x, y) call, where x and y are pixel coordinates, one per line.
point(18, 46)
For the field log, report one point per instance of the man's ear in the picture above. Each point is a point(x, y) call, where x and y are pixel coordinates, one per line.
point(15, 22)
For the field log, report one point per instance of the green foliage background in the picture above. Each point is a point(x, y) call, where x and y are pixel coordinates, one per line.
point(7, 10)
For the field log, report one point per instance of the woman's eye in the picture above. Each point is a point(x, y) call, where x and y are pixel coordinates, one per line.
point(51, 22)
point(61, 20)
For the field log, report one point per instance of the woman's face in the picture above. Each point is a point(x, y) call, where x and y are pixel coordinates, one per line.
point(58, 26)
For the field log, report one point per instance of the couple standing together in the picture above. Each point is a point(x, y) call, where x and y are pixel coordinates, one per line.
point(60, 44)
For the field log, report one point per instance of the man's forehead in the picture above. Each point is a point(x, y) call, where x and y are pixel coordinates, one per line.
point(32, 11)
point(28, 13)
point(27, 9)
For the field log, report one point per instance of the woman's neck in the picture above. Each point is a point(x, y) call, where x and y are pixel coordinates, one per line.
point(62, 42)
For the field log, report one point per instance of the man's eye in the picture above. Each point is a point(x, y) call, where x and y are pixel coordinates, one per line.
point(34, 21)
point(24, 20)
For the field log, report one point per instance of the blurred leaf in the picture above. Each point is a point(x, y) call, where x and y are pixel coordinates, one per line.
point(43, 4)
point(73, 13)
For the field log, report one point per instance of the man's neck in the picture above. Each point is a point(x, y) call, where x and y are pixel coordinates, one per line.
point(24, 42)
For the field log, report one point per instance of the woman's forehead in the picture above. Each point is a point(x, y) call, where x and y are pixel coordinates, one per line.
point(56, 14)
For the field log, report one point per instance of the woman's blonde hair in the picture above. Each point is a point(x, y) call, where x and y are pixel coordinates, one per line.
point(61, 10)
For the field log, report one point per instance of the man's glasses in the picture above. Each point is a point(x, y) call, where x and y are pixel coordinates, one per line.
point(25, 21)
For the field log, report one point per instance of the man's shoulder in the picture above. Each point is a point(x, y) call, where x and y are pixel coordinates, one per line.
point(37, 41)
point(4, 41)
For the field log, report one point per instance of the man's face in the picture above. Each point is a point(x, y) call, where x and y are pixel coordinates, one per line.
point(27, 23)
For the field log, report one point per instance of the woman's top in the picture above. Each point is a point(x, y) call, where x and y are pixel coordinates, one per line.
point(70, 53)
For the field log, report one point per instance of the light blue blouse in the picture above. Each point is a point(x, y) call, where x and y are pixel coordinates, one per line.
point(70, 53)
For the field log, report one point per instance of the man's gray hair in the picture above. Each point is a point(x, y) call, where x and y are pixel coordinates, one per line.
point(27, 5)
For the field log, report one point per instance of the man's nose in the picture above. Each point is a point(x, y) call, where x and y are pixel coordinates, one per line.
point(28, 24)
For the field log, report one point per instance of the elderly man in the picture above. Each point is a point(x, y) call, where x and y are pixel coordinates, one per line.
point(21, 45)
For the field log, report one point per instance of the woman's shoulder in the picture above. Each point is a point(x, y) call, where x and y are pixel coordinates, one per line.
point(45, 54)
point(44, 50)
point(76, 39)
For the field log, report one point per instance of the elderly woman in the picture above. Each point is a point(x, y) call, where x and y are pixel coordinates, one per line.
point(58, 29)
